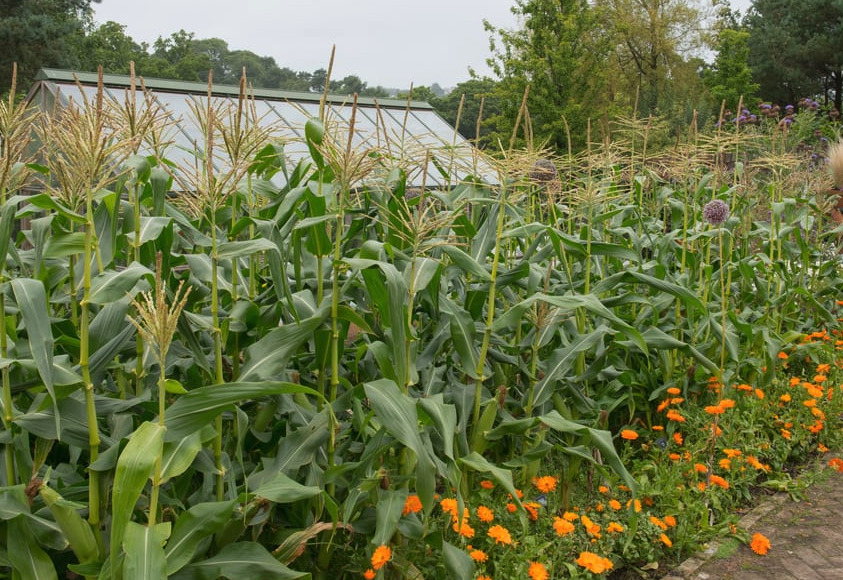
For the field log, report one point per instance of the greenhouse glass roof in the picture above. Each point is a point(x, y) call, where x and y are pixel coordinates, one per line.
point(411, 132)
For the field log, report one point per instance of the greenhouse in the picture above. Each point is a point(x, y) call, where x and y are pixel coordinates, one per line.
point(407, 129)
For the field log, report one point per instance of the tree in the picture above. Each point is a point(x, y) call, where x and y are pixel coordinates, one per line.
point(654, 42)
point(471, 93)
point(561, 53)
point(109, 46)
point(39, 33)
point(729, 78)
point(796, 49)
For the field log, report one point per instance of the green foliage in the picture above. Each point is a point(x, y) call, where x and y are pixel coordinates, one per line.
point(349, 350)
point(39, 33)
point(795, 49)
point(729, 79)
point(560, 54)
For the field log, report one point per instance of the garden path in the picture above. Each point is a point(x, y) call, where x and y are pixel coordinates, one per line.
point(806, 540)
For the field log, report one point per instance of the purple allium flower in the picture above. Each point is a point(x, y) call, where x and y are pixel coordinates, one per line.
point(716, 212)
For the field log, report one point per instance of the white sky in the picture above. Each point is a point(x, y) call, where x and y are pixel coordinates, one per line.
point(385, 42)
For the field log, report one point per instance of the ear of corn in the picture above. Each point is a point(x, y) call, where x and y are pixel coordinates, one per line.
point(76, 530)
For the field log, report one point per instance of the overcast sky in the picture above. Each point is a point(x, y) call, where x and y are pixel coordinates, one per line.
point(385, 42)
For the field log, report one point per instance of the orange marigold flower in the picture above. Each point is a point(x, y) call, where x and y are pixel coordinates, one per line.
point(603, 489)
point(677, 437)
point(412, 505)
point(725, 464)
point(744, 387)
point(785, 398)
point(449, 506)
point(629, 435)
point(732, 453)
point(663, 405)
point(658, 523)
point(822, 448)
point(783, 355)
point(500, 535)
point(614, 504)
point(795, 381)
point(760, 544)
point(570, 516)
point(369, 574)
point(820, 378)
point(614, 528)
point(590, 527)
point(537, 571)
point(727, 403)
point(381, 556)
point(673, 415)
point(562, 527)
point(510, 507)
point(670, 521)
point(484, 514)
point(810, 403)
point(545, 484)
point(823, 368)
point(677, 401)
point(785, 433)
point(636, 505)
point(532, 509)
point(484, 577)
point(701, 486)
point(759, 393)
point(657, 428)
point(675, 457)
point(719, 482)
point(594, 563)
point(665, 540)
point(714, 410)
point(478, 555)
point(464, 529)
point(836, 463)
point(486, 484)
point(674, 391)
point(700, 468)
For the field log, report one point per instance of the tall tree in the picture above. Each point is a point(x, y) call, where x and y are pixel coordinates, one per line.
point(655, 42)
point(109, 46)
point(560, 51)
point(729, 78)
point(796, 48)
point(39, 33)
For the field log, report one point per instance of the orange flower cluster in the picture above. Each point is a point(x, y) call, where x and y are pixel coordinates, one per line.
point(412, 505)
point(629, 435)
point(537, 571)
point(760, 544)
point(381, 556)
point(500, 535)
point(594, 563)
point(545, 484)
point(836, 463)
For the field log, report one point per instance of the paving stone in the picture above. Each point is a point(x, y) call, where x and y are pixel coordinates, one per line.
point(806, 540)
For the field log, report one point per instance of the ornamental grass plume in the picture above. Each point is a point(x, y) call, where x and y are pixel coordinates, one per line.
point(716, 212)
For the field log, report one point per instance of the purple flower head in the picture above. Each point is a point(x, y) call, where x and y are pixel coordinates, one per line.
point(716, 212)
point(789, 107)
